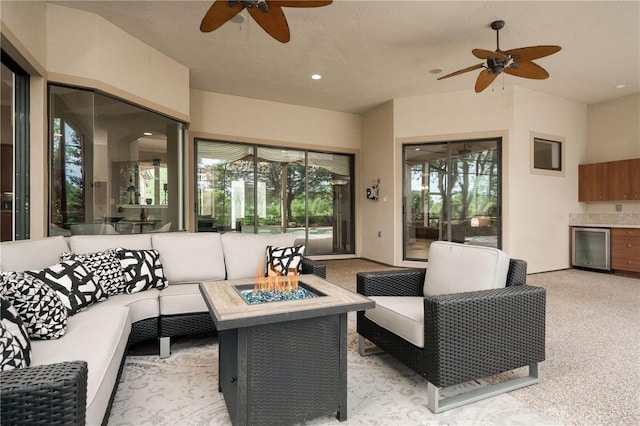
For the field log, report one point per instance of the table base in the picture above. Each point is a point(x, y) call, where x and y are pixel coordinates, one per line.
point(285, 372)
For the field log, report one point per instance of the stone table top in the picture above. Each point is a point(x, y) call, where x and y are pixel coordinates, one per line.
point(229, 309)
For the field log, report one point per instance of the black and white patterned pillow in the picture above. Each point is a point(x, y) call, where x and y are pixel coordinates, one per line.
point(142, 269)
point(281, 259)
point(41, 310)
point(15, 346)
point(74, 283)
point(105, 265)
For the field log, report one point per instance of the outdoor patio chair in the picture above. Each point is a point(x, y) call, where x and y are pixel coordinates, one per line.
point(469, 316)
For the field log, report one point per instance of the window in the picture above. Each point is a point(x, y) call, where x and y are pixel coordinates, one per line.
point(546, 154)
point(258, 189)
point(451, 193)
point(115, 167)
point(14, 152)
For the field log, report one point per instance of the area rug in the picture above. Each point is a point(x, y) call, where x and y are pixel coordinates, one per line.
point(183, 390)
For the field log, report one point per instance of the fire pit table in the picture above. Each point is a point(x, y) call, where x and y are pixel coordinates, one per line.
point(282, 362)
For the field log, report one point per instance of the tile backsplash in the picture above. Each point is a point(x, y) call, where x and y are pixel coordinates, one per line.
point(628, 217)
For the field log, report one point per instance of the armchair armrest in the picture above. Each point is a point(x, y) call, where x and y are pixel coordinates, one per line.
point(312, 267)
point(45, 394)
point(401, 282)
point(481, 333)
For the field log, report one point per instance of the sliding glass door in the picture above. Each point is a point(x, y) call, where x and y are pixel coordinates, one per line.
point(14, 152)
point(258, 189)
point(451, 192)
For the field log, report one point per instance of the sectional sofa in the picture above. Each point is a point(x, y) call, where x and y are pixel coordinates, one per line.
point(73, 379)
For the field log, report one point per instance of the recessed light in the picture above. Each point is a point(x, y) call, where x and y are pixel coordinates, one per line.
point(436, 70)
point(621, 86)
point(316, 76)
point(147, 133)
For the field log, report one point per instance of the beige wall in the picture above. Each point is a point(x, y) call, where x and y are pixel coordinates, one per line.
point(614, 134)
point(85, 49)
point(539, 205)
point(378, 232)
point(235, 118)
point(535, 207)
point(74, 47)
point(614, 130)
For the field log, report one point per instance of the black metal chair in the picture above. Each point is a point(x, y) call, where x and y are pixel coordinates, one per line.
point(467, 336)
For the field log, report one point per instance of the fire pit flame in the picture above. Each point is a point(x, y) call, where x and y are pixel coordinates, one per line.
point(275, 287)
point(276, 283)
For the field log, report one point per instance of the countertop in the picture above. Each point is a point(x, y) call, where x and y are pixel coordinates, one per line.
point(603, 225)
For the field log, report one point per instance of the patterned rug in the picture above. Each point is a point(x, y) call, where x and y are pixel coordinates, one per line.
point(183, 390)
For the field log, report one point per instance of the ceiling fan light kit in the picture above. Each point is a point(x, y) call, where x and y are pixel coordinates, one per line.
point(267, 13)
point(516, 62)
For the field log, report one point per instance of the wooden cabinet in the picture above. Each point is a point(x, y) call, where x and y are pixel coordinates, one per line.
point(625, 249)
point(610, 181)
point(591, 182)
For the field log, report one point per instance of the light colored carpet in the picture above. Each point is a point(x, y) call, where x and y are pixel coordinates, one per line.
point(591, 375)
point(183, 390)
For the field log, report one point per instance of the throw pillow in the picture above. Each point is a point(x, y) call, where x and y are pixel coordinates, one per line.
point(41, 310)
point(281, 259)
point(15, 346)
point(142, 269)
point(106, 267)
point(74, 283)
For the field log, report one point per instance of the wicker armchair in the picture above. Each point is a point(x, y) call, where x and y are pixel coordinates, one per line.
point(467, 336)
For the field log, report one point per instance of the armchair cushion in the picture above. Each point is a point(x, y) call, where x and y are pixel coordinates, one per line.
point(402, 315)
point(459, 268)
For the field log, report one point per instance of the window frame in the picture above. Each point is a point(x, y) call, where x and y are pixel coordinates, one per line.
point(535, 137)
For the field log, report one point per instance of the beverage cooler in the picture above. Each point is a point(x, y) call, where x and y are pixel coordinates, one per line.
point(591, 248)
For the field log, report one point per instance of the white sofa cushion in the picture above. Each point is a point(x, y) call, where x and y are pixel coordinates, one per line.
point(459, 268)
point(402, 315)
point(99, 336)
point(95, 243)
point(245, 254)
point(182, 299)
point(190, 257)
point(142, 305)
point(31, 254)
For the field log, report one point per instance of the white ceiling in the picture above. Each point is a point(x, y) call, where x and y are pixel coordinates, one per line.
point(369, 52)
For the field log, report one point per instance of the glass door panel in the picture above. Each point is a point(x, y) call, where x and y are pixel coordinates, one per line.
point(451, 193)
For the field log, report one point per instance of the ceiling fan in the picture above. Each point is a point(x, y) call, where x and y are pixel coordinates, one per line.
point(267, 13)
point(518, 62)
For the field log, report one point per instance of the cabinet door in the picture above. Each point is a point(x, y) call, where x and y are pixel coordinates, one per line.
point(624, 179)
point(592, 182)
point(634, 178)
point(625, 249)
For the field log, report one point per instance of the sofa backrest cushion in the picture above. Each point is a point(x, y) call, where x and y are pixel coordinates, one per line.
point(245, 254)
point(31, 254)
point(458, 268)
point(190, 257)
point(82, 244)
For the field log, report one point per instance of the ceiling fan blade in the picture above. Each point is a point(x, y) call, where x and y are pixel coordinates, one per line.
point(528, 69)
point(486, 54)
point(300, 3)
point(484, 80)
point(218, 14)
point(462, 71)
point(533, 52)
point(273, 22)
